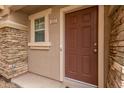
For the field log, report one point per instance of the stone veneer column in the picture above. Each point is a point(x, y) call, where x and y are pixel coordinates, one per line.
point(116, 55)
point(13, 50)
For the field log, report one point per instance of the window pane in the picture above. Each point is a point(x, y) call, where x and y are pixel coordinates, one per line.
point(39, 36)
point(40, 29)
point(39, 23)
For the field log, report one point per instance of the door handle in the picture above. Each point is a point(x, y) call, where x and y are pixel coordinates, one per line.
point(95, 44)
point(95, 50)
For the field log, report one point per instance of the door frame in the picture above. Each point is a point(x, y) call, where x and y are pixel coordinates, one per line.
point(72, 8)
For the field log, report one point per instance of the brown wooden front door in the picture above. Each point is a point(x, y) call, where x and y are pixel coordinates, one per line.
point(81, 45)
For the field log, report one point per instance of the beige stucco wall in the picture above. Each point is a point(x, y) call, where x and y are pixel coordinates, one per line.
point(19, 17)
point(47, 62)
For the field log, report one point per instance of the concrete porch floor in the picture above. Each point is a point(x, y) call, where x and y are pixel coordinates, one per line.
point(31, 80)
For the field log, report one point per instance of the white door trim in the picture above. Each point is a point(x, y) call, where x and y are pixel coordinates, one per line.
point(100, 40)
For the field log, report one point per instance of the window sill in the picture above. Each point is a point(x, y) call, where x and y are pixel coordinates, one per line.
point(40, 45)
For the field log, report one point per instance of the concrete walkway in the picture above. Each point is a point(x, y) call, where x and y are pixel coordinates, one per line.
point(30, 80)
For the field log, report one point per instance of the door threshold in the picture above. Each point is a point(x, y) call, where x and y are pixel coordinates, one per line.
point(77, 84)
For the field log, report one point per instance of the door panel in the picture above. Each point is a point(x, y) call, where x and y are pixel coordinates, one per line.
point(84, 38)
point(80, 36)
point(85, 65)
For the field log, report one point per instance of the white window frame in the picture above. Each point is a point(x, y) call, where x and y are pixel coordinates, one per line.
point(40, 45)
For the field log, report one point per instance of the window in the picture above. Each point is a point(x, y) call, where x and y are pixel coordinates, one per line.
point(40, 30)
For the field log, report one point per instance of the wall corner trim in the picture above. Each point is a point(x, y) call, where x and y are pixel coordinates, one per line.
point(101, 46)
point(12, 24)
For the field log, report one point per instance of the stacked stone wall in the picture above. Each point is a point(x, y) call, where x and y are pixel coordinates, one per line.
point(116, 52)
point(13, 52)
